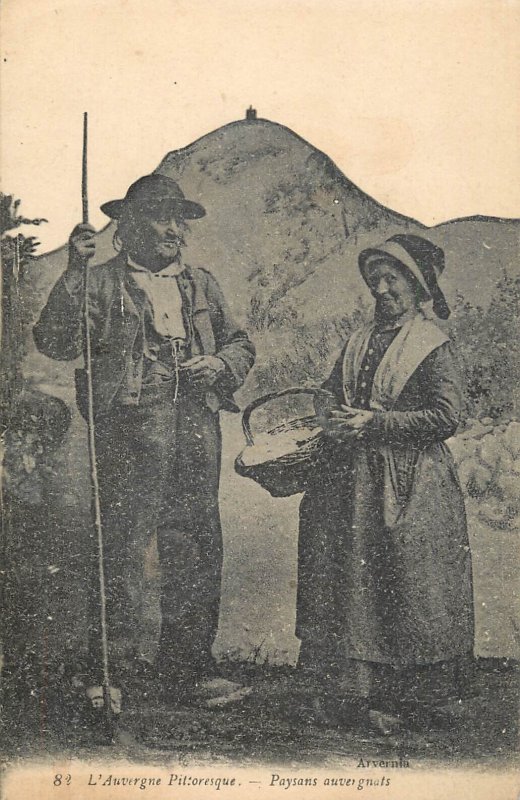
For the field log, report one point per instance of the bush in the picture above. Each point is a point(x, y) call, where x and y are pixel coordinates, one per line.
point(488, 464)
point(488, 344)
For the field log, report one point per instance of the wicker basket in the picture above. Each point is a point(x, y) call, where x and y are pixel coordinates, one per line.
point(287, 474)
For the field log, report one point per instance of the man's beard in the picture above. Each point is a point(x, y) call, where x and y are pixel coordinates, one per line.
point(386, 309)
point(169, 249)
point(152, 252)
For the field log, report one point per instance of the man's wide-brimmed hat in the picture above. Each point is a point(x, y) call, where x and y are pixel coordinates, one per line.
point(151, 192)
point(420, 257)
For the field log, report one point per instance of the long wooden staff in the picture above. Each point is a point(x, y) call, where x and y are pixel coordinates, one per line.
point(96, 506)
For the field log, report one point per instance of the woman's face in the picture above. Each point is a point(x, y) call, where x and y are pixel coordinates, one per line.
point(394, 293)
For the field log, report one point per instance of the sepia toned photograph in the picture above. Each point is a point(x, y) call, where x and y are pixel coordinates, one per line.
point(259, 399)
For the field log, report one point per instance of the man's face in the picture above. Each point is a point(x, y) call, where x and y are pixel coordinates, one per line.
point(161, 238)
point(394, 293)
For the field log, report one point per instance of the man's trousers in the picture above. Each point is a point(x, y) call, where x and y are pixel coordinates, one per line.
point(159, 467)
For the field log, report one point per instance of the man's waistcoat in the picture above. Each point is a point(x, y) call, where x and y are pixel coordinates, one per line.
point(117, 314)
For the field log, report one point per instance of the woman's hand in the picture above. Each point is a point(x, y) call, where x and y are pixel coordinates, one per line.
point(347, 423)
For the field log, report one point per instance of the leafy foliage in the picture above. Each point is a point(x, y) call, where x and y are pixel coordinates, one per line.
point(15, 253)
point(9, 217)
point(488, 344)
point(301, 354)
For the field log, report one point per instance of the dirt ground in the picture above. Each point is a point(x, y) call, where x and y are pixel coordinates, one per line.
point(278, 722)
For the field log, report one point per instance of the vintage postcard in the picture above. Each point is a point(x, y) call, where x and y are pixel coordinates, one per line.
point(259, 395)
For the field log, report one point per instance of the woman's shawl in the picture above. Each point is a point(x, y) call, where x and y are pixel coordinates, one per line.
point(415, 341)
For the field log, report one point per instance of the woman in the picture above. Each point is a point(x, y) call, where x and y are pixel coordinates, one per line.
point(385, 602)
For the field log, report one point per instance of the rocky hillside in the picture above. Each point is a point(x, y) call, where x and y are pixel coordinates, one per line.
point(278, 212)
point(282, 233)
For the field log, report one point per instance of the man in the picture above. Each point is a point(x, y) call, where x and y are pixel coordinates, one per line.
point(166, 356)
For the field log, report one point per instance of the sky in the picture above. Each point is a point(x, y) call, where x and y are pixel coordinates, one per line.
point(416, 102)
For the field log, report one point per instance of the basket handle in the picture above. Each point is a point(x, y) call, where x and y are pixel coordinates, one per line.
point(315, 391)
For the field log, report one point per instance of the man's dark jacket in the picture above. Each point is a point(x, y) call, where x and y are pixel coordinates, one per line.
point(192, 564)
point(117, 314)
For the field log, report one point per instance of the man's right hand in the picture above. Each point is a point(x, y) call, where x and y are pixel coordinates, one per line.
point(82, 246)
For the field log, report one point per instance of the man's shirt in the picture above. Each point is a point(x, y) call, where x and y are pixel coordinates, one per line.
point(164, 296)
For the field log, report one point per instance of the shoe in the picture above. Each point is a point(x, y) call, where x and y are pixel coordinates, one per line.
point(443, 716)
point(383, 723)
point(95, 696)
point(102, 726)
point(216, 692)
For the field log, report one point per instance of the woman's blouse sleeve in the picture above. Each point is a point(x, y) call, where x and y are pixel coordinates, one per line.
point(439, 409)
